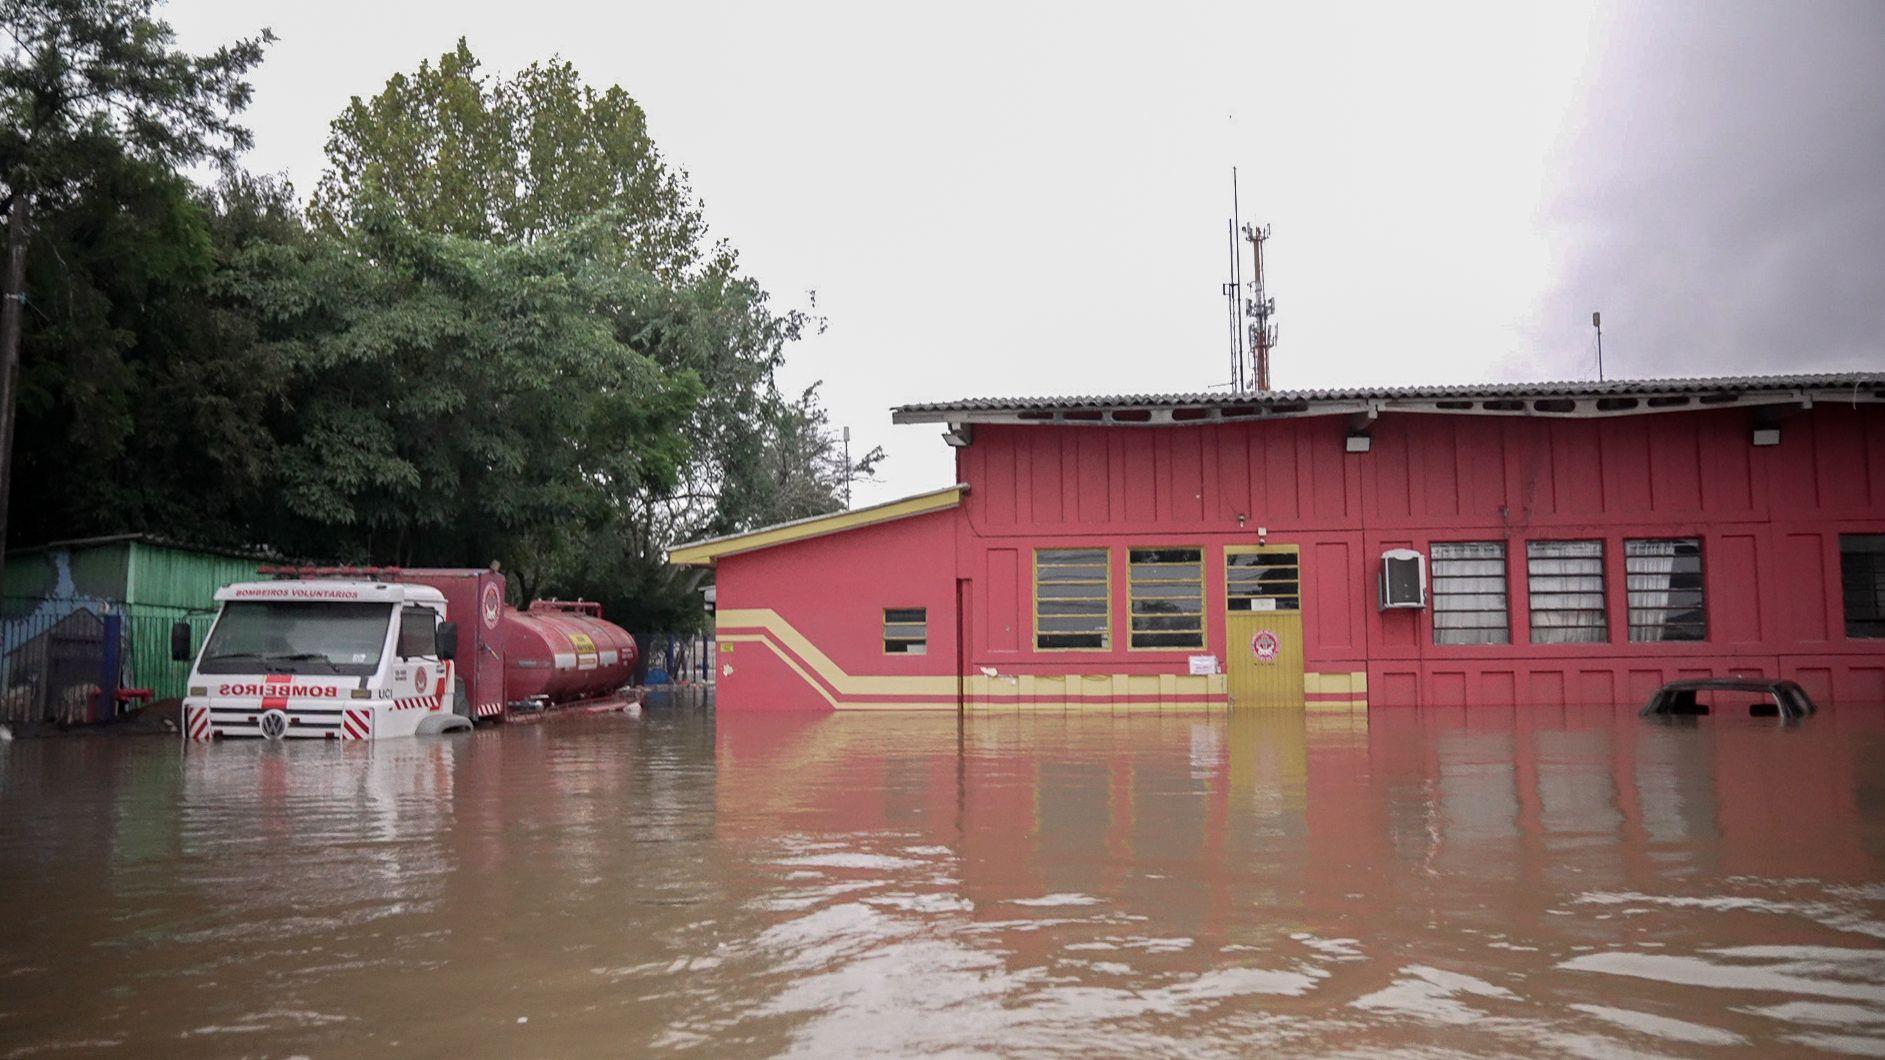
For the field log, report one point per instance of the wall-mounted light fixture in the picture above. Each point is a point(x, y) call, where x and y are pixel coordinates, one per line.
point(1767, 436)
point(1361, 429)
point(957, 435)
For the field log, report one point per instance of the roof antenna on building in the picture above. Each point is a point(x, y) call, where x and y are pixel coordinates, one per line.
point(1233, 289)
point(1597, 321)
point(1261, 308)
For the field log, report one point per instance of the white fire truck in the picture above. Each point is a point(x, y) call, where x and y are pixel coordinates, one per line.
point(334, 659)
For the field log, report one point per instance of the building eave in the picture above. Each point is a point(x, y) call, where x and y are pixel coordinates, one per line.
point(1549, 399)
point(707, 552)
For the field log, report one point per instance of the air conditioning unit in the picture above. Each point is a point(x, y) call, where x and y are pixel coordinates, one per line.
point(1403, 579)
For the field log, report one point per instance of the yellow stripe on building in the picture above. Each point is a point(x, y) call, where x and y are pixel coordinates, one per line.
point(1355, 683)
point(979, 690)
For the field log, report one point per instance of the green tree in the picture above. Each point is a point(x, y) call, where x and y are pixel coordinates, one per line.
point(91, 82)
point(98, 111)
point(518, 160)
point(511, 160)
point(456, 400)
point(146, 400)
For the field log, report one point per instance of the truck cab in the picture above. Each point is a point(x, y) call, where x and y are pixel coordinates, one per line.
point(324, 659)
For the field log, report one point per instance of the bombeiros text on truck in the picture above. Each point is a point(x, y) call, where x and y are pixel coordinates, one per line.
point(365, 653)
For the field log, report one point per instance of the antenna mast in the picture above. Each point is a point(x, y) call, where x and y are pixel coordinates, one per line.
point(1597, 321)
point(1233, 290)
point(1260, 308)
point(1250, 343)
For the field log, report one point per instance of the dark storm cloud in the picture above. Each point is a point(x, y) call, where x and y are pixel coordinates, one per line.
point(1721, 193)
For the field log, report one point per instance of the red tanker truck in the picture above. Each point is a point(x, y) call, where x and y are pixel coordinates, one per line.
point(361, 653)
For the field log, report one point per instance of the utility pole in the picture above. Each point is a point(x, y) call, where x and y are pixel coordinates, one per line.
point(847, 469)
point(10, 309)
point(1597, 321)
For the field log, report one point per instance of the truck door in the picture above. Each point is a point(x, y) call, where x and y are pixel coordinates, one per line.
point(481, 654)
point(419, 677)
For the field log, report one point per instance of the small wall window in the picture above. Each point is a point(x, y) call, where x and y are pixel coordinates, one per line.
point(1167, 597)
point(1862, 580)
point(1468, 581)
point(1565, 580)
point(1072, 595)
point(1664, 580)
point(906, 631)
point(1262, 581)
point(418, 632)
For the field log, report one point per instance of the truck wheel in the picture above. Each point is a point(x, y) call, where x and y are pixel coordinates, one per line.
point(461, 703)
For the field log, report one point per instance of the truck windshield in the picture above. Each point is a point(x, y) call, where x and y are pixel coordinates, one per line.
point(293, 637)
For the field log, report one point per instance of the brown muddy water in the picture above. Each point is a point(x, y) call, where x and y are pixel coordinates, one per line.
point(1484, 883)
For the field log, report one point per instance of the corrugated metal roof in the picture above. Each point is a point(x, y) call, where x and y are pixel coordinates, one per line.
point(1561, 389)
point(154, 540)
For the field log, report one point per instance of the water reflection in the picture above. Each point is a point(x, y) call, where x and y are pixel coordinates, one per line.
point(1488, 882)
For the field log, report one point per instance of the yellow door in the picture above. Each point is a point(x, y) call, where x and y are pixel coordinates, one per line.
point(1263, 627)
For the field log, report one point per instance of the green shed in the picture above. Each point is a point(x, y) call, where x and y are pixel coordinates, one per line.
point(58, 595)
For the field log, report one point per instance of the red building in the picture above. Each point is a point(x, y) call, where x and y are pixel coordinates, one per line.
point(1551, 544)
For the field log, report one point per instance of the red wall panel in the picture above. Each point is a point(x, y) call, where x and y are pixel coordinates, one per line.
point(1005, 624)
point(1733, 575)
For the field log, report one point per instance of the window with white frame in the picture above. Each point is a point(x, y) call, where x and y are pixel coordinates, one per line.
point(1664, 579)
point(1468, 583)
point(1565, 580)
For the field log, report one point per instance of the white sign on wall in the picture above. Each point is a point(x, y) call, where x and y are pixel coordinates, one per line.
point(1203, 664)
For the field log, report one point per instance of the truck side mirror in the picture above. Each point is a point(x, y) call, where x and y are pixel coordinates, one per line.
point(447, 634)
point(180, 642)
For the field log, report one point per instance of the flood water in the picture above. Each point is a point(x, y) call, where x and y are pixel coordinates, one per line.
point(1485, 882)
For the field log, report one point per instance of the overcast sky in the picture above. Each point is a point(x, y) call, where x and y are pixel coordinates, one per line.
point(1015, 199)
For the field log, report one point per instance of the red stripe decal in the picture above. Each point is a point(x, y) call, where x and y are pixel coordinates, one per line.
point(277, 702)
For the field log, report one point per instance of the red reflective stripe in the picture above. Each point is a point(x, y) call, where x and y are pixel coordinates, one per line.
point(278, 702)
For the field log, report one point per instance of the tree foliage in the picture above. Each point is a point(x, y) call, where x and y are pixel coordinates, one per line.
point(126, 355)
point(90, 80)
point(452, 396)
point(497, 331)
point(511, 160)
point(516, 160)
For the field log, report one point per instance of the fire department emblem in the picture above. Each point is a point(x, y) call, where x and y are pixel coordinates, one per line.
point(491, 605)
point(273, 723)
point(422, 678)
point(1265, 646)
